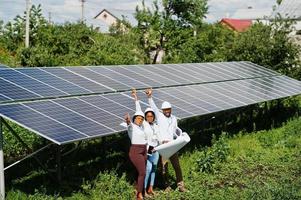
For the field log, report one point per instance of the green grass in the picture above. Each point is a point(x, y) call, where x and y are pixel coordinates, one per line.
point(259, 165)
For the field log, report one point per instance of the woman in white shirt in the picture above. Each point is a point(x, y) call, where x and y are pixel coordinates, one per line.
point(151, 130)
point(138, 152)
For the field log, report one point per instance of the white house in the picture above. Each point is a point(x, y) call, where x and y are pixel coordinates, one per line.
point(109, 18)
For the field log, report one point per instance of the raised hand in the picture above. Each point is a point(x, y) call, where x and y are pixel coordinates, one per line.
point(134, 94)
point(127, 118)
point(149, 92)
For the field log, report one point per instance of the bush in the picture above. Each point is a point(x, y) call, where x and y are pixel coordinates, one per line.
point(211, 156)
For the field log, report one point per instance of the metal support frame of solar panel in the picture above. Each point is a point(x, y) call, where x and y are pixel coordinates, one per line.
point(42, 83)
point(72, 119)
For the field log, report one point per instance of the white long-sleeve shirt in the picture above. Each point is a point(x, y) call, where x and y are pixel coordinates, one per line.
point(152, 131)
point(168, 126)
point(136, 134)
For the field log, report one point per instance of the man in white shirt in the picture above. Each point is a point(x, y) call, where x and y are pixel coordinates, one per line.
point(168, 126)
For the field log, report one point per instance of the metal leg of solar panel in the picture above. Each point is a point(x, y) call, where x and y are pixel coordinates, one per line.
point(58, 164)
point(23, 144)
point(2, 181)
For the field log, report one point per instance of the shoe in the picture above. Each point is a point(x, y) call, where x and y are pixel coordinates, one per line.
point(181, 187)
point(139, 196)
point(150, 191)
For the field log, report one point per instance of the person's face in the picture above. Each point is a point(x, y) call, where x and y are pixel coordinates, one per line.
point(167, 112)
point(138, 120)
point(149, 117)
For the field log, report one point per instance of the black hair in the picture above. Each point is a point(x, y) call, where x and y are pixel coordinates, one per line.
point(134, 117)
point(150, 112)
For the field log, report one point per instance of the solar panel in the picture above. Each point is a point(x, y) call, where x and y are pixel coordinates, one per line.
point(29, 84)
point(41, 83)
point(83, 82)
point(57, 82)
point(66, 120)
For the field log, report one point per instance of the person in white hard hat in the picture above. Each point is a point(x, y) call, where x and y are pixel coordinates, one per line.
point(151, 129)
point(169, 130)
point(138, 152)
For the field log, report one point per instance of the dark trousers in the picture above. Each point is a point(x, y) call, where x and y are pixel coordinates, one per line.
point(138, 157)
point(174, 159)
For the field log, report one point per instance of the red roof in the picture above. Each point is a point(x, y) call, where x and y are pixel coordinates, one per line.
point(238, 25)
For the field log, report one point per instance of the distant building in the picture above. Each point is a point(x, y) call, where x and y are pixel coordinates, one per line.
point(237, 25)
point(288, 9)
point(109, 18)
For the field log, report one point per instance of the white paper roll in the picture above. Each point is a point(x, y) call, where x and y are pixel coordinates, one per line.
point(168, 149)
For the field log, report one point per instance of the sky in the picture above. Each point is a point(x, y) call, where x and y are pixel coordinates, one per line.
point(70, 10)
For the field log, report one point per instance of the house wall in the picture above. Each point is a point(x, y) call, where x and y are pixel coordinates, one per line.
point(107, 18)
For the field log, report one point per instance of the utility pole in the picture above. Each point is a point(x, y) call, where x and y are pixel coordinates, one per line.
point(82, 5)
point(49, 17)
point(28, 7)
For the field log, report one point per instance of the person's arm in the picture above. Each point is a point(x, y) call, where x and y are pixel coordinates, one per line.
point(151, 102)
point(137, 102)
point(127, 119)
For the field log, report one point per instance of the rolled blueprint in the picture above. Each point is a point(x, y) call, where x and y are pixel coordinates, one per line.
point(168, 149)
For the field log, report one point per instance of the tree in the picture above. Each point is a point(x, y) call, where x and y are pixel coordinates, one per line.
point(14, 32)
point(269, 46)
point(159, 28)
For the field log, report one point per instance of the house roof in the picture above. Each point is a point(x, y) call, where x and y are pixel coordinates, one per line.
point(289, 9)
point(238, 25)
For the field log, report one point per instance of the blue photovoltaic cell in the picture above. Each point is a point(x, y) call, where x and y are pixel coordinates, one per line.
point(110, 104)
point(60, 84)
point(15, 92)
point(42, 125)
point(30, 84)
point(136, 76)
point(160, 69)
point(85, 108)
point(131, 83)
point(69, 118)
point(99, 78)
point(208, 107)
point(142, 70)
point(90, 86)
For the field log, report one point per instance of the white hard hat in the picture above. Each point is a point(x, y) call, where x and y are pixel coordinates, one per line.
point(165, 105)
point(148, 110)
point(139, 113)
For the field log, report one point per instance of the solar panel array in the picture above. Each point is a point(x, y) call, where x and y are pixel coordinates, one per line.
point(39, 83)
point(193, 89)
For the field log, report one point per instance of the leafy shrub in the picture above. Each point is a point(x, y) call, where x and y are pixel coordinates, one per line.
point(210, 156)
